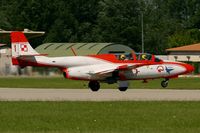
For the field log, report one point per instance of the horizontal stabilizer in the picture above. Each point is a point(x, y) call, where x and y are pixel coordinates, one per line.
point(33, 55)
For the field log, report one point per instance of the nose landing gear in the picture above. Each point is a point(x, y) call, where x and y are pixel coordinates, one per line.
point(165, 83)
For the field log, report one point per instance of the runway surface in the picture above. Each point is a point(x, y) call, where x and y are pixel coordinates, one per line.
point(16, 94)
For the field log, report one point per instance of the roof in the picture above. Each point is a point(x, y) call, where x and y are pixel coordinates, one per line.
point(64, 49)
point(193, 48)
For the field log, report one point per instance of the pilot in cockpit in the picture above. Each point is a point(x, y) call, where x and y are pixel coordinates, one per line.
point(144, 57)
point(122, 57)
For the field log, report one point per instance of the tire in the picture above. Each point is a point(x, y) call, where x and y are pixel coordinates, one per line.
point(164, 84)
point(123, 88)
point(94, 85)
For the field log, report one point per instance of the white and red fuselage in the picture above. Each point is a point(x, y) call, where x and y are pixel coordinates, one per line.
point(82, 67)
point(97, 67)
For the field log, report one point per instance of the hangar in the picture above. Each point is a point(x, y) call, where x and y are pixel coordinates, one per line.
point(64, 49)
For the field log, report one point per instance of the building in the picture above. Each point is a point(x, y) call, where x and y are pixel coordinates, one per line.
point(189, 53)
point(66, 49)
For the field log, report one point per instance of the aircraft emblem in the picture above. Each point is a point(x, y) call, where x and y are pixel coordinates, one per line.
point(160, 68)
point(24, 47)
point(169, 69)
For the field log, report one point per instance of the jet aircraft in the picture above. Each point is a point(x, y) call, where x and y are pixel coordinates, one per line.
point(108, 68)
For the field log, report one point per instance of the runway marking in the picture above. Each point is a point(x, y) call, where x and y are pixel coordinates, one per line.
point(20, 94)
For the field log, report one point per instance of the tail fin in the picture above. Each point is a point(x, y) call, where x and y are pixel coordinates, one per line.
point(20, 45)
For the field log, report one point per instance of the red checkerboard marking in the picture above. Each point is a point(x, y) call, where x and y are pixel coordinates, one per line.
point(24, 47)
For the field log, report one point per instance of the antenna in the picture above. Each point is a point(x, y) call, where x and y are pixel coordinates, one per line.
point(73, 51)
point(142, 36)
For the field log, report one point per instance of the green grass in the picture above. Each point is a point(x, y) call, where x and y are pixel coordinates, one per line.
point(59, 82)
point(100, 117)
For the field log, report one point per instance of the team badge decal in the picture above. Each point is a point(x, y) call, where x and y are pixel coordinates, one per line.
point(24, 47)
point(169, 69)
point(160, 68)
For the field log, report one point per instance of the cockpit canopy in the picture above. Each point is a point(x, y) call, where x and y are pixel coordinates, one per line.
point(138, 57)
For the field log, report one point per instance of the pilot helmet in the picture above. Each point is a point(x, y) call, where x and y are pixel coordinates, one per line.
point(144, 56)
point(122, 57)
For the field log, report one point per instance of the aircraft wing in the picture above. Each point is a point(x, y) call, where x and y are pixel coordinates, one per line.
point(115, 68)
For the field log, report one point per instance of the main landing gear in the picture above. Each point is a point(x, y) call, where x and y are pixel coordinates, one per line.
point(94, 85)
point(165, 83)
point(123, 85)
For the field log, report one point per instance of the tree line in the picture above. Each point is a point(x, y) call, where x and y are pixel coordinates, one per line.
point(167, 23)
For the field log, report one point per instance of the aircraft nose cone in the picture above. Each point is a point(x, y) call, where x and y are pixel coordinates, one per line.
point(189, 68)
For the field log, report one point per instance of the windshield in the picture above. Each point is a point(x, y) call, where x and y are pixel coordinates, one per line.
point(138, 56)
point(157, 60)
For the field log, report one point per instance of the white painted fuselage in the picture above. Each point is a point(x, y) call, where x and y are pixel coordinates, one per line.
point(83, 67)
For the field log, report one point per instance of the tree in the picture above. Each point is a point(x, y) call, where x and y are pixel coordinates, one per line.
point(167, 23)
point(185, 37)
point(118, 22)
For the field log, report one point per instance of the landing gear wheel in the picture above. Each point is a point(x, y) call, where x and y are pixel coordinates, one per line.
point(164, 83)
point(123, 88)
point(123, 85)
point(94, 85)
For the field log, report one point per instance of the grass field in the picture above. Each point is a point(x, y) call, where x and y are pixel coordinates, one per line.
point(59, 82)
point(100, 117)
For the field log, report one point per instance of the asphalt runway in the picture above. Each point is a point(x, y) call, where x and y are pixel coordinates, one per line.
point(20, 94)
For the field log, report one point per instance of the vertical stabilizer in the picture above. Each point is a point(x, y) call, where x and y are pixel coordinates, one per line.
point(20, 45)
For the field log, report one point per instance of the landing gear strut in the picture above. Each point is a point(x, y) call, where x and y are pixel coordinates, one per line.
point(164, 83)
point(94, 85)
